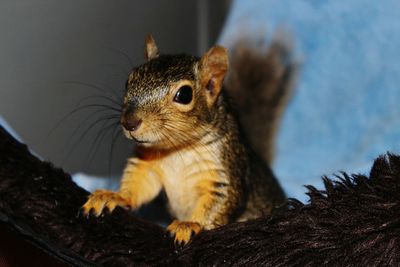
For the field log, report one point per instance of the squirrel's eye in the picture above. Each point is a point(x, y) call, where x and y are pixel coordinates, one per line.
point(184, 95)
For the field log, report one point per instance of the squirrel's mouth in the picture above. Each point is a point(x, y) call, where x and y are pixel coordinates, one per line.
point(137, 140)
point(140, 139)
point(141, 142)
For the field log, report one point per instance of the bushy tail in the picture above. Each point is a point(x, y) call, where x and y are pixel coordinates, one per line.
point(260, 83)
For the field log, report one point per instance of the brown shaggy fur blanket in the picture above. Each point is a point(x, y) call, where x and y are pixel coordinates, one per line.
point(354, 221)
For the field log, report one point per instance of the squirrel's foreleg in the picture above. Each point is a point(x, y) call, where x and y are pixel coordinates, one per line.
point(140, 184)
point(209, 212)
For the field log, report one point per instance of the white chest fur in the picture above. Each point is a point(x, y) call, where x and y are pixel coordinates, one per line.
point(181, 173)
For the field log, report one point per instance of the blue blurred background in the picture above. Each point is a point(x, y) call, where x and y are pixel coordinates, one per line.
point(344, 113)
point(346, 109)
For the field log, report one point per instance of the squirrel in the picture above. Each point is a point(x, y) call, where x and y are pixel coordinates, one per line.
point(190, 144)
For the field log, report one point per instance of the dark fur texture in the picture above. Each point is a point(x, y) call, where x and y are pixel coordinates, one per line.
point(354, 222)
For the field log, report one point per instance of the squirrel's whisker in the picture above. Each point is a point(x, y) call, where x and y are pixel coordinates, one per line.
point(115, 50)
point(84, 122)
point(98, 140)
point(86, 131)
point(78, 109)
point(115, 96)
point(111, 100)
point(114, 136)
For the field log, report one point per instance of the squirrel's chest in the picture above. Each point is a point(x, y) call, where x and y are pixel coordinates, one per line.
point(185, 175)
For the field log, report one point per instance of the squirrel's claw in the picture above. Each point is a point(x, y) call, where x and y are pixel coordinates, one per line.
point(103, 201)
point(183, 231)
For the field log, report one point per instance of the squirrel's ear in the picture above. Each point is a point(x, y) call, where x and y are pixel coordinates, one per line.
point(151, 50)
point(212, 69)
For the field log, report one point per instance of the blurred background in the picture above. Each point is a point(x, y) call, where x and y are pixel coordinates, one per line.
point(56, 54)
point(344, 113)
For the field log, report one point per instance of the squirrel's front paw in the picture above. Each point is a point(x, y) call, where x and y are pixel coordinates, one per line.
point(183, 231)
point(101, 199)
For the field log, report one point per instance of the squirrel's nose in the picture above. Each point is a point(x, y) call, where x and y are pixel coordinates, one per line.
point(130, 122)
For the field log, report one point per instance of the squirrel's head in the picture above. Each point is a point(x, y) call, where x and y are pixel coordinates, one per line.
point(170, 101)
